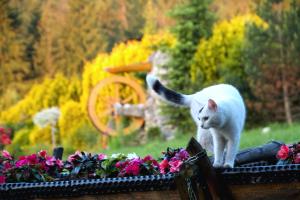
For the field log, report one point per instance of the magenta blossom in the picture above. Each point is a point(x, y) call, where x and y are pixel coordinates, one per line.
point(32, 159)
point(72, 157)
point(50, 161)
point(297, 158)
point(133, 167)
point(22, 161)
point(59, 163)
point(6, 154)
point(163, 166)
point(101, 156)
point(7, 165)
point(175, 166)
point(182, 155)
point(2, 179)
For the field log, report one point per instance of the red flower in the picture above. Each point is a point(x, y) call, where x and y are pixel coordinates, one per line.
point(175, 166)
point(2, 179)
point(150, 159)
point(283, 153)
point(163, 165)
point(43, 153)
point(6, 154)
point(5, 140)
point(297, 158)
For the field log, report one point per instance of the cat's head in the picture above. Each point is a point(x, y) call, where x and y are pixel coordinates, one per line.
point(210, 116)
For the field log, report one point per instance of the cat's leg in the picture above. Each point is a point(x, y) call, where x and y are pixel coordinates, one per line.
point(232, 149)
point(204, 137)
point(219, 146)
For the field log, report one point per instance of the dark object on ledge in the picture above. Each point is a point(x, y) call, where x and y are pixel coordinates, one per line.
point(262, 154)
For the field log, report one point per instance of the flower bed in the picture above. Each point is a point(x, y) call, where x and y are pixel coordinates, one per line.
point(41, 167)
point(176, 175)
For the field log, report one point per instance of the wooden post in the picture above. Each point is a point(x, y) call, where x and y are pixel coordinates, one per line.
point(217, 188)
point(58, 152)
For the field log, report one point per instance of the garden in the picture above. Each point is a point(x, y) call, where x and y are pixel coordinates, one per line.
point(73, 75)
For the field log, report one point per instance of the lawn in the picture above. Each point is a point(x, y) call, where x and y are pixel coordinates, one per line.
point(250, 138)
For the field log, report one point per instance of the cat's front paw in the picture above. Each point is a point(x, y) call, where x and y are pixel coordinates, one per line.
point(217, 165)
point(228, 165)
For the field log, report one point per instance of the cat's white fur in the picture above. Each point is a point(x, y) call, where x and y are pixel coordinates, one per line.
point(219, 112)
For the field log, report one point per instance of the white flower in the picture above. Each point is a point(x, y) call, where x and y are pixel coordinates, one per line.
point(132, 156)
point(46, 117)
point(115, 155)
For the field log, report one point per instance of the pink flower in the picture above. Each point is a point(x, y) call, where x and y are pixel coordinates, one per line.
point(7, 165)
point(50, 161)
point(149, 158)
point(59, 163)
point(283, 153)
point(297, 158)
point(32, 159)
point(133, 169)
point(2, 179)
point(72, 157)
point(163, 165)
point(6, 154)
point(182, 155)
point(43, 153)
point(175, 165)
point(101, 156)
point(22, 161)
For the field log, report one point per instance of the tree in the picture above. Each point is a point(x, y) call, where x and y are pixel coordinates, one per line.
point(270, 57)
point(193, 21)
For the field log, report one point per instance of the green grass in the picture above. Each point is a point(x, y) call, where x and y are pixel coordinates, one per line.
point(250, 138)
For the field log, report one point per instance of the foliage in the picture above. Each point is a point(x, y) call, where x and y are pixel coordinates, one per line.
point(52, 92)
point(219, 58)
point(193, 22)
point(84, 137)
point(41, 167)
point(270, 62)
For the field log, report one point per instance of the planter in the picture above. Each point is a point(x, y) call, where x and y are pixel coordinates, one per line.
point(196, 180)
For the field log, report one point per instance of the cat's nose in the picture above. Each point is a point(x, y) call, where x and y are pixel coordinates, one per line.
point(202, 126)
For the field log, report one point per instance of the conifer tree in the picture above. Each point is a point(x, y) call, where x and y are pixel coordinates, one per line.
point(271, 58)
point(194, 21)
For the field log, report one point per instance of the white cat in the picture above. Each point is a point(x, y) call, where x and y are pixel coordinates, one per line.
point(219, 112)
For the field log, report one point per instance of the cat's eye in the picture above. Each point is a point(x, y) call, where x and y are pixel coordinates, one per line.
point(205, 118)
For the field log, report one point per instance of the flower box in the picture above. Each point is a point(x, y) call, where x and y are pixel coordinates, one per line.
point(197, 179)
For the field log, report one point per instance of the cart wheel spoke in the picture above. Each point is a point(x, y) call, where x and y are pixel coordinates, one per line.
point(128, 99)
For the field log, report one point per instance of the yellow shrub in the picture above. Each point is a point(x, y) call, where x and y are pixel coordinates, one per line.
point(222, 49)
point(70, 119)
point(40, 136)
point(52, 92)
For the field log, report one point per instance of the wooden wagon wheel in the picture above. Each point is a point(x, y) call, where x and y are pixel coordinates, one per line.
point(101, 103)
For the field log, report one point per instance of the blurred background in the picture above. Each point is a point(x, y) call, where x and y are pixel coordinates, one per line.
point(54, 55)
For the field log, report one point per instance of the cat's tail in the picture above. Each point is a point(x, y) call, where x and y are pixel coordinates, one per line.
point(167, 94)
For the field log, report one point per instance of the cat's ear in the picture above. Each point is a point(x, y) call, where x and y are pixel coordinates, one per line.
point(212, 105)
